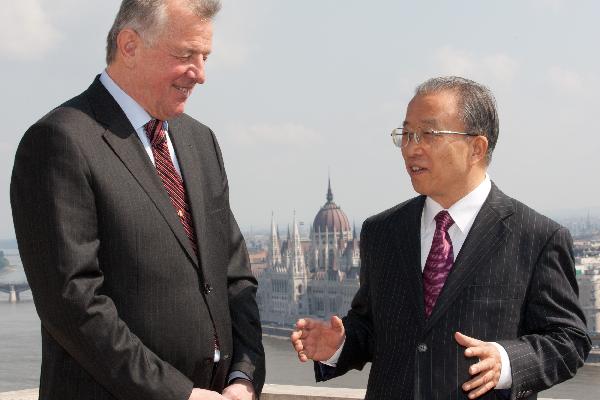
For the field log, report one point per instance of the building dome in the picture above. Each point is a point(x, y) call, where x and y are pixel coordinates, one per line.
point(331, 217)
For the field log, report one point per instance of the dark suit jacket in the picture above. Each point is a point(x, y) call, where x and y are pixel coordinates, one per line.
point(125, 304)
point(513, 282)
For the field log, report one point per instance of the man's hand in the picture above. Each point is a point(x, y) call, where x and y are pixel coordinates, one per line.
point(487, 371)
point(240, 389)
point(317, 340)
point(202, 394)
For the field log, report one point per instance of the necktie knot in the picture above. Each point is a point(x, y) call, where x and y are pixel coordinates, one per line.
point(155, 132)
point(443, 221)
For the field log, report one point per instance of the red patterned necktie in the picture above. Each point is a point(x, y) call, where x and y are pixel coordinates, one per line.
point(173, 184)
point(170, 177)
point(439, 261)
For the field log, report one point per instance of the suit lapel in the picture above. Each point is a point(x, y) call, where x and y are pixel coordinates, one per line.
point(486, 235)
point(123, 140)
point(190, 163)
point(408, 226)
point(194, 172)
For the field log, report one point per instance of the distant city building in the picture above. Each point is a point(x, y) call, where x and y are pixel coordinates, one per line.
point(583, 227)
point(315, 277)
point(588, 280)
point(587, 248)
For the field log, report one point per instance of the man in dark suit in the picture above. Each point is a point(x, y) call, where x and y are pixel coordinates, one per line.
point(465, 292)
point(138, 270)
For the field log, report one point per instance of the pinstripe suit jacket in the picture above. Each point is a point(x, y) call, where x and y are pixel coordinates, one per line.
point(513, 282)
point(125, 303)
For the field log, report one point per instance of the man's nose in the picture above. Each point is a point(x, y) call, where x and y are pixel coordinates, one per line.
point(412, 148)
point(197, 72)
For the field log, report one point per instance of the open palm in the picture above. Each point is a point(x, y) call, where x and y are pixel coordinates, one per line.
point(317, 340)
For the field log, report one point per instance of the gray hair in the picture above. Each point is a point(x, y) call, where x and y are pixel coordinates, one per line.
point(148, 17)
point(476, 103)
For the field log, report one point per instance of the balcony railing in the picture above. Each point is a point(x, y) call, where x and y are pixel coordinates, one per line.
point(270, 392)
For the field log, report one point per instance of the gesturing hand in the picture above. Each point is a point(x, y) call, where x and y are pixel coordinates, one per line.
point(317, 340)
point(486, 372)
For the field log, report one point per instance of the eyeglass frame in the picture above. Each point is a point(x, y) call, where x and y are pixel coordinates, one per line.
point(418, 136)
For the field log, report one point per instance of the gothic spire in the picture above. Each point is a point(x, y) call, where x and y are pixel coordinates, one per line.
point(273, 228)
point(296, 232)
point(299, 266)
point(329, 192)
point(274, 250)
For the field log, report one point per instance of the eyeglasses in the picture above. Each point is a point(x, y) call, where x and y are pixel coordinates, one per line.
point(401, 136)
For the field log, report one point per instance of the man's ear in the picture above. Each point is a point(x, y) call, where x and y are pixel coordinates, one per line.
point(479, 146)
point(128, 46)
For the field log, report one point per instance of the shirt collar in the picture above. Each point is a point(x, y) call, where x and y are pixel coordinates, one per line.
point(137, 116)
point(463, 212)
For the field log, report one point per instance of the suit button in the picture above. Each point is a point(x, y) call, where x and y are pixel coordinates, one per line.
point(422, 347)
point(207, 288)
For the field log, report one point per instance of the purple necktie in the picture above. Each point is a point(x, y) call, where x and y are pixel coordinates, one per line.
point(439, 261)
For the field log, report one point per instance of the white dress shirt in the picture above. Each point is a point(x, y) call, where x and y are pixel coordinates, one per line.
point(463, 212)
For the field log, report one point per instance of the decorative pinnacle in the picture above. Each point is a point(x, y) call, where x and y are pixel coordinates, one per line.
point(329, 192)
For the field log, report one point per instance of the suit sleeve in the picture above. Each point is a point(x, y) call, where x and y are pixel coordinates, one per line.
point(248, 352)
point(555, 342)
point(358, 347)
point(54, 212)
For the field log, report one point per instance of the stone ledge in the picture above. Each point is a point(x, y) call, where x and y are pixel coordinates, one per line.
point(288, 392)
point(29, 394)
point(270, 392)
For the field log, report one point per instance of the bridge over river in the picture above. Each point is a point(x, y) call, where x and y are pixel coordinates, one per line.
point(14, 290)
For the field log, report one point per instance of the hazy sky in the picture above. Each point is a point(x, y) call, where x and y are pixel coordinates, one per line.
point(295, 88)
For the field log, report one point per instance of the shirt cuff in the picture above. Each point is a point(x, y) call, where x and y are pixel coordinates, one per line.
point(237, 375)
point(332, 362)
point(505, 381)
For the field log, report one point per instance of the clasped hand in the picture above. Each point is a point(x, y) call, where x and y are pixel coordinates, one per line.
point(239, 389)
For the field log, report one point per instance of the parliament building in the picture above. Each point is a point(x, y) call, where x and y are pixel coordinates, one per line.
point(315, 277)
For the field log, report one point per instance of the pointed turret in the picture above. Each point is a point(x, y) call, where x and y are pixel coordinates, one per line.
point(295, 244)
point(274, 254)
point(298, 271)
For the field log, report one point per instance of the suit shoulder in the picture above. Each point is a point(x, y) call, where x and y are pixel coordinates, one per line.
point(68, 118)
point(391, 213)
point(531, 221)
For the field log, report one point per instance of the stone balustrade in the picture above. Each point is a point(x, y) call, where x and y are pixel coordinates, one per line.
point(270, 392)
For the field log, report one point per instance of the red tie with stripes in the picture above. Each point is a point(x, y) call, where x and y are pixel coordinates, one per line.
point(170, 177)
point(174, 185)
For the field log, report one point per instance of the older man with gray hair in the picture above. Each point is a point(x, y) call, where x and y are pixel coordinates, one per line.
point(120, 201)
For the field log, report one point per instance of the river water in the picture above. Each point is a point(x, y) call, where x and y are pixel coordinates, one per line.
point(20, 354)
